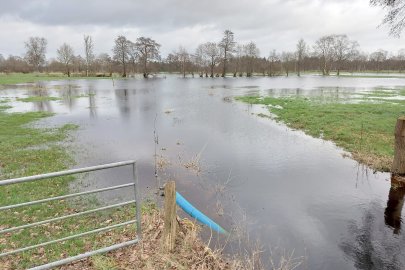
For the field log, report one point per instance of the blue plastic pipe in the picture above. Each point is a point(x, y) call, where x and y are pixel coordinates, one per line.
point(197, 214)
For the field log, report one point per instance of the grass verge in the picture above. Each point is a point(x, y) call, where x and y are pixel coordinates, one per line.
point(365, 128)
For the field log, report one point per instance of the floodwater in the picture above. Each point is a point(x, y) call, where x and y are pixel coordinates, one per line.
point(256, 177)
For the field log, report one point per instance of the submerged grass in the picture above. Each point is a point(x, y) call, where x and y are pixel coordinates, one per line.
point(364, 128)
point(38, 99)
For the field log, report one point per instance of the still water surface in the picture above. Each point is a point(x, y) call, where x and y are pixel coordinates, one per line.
point(290, 191)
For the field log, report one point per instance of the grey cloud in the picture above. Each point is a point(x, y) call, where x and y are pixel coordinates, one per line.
point(166, 14)
point(273, 24)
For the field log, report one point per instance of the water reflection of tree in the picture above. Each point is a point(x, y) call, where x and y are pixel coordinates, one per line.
point(69, 95)
point(40, 90)
point(371, 244)
point(123, 102)
point(92, 102)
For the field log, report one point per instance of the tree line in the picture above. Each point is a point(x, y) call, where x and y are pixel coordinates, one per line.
point(330, 53)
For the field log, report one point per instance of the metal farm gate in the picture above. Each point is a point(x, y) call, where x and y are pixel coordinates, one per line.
point(136, 220)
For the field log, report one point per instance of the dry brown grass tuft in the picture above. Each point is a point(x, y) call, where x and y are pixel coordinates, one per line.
point(193, 164)
point(162, 161)
point(190, 252)
point(377, 162)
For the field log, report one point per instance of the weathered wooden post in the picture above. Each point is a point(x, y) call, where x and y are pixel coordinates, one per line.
point(398, 166)
point(169, 231)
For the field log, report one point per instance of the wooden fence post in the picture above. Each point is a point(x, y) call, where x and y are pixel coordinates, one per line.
point(169, 231)
point(398, 166)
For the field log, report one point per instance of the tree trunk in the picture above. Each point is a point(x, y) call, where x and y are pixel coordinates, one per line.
point(398, 166)
point(339, 67)
point(145, 71)
point(183, 67)
point(224, 67)
point(299, 68)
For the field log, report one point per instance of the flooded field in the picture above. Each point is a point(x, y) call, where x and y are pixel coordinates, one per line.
point(254, 176)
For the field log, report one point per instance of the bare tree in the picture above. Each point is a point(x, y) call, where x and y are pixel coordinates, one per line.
point(237, 60)
point(121, 50)
point(210, 52)
point(15, 64)
point(400, 54)
point(227, 46)
point(395, 16)
point(301, 52)
point(183, 57)
point(324, 48)
point(201, 60)
point(78, 63)
point(148, 49)
point(36, 49)
point(273, 59)
point(287, 60)
point(251, 52)
point(89, 52)
point(2, 63)
point(105, 62)
point(378, 58)
point(65, 56)
point(133, 54)
point(344, 49)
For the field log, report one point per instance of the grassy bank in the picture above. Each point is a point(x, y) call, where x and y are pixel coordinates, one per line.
point(15, 78)
point(364, 127)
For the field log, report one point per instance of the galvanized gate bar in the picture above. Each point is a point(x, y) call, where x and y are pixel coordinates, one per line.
point(67, 238)
point(67, 172)
point(136, 194)
point(65, 217)
point(64, 196)
point(137, 219)
point(85, 255)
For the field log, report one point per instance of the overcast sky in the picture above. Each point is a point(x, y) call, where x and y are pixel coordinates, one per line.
point(272, 24)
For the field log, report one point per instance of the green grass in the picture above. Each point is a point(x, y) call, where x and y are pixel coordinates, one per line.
point(364, 128)
point(15, 78)
point(38, 99)
point(101, 262)
point(26, 150)
point(381, 92)
point(371, 76)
